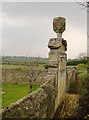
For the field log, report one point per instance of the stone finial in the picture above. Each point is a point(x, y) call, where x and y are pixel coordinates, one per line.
point(59, 24)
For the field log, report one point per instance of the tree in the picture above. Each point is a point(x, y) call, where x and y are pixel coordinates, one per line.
point(84, 4)
point(4, 58)
point(31, 71)
point(82, 55)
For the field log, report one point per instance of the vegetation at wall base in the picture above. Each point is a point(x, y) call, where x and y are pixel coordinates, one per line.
point(46, 66)
point(69, 107)
point(81, 87)
point(76, 103)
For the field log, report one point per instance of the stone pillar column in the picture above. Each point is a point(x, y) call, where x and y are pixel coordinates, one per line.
point(57, 55)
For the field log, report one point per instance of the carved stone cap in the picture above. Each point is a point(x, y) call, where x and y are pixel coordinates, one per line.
point(54, 43)
point(59, 24)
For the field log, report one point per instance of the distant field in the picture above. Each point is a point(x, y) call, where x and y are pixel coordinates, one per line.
point(10, 66)
point(13, 92)
point(18, 62)
point(6, 66)
point(22, 60)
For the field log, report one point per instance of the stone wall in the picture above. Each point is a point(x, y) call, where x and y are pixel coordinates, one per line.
point(44, 102)
point(71, 75)
point(18, 76)
point(38, 104)
point(41, 103)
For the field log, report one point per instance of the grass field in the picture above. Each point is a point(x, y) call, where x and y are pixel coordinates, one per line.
point(10, 66)
point(6, 66)
point(21, 60)
point(13, 92)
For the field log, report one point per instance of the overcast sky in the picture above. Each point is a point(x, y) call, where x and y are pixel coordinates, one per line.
point(27, 27)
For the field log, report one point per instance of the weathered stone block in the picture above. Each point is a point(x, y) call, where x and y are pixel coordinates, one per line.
point(63, 55)
point(55, 43)
point(62, 49)
point(62, 64)
point(50, 91)
point(59, 24)
point(53, 55)
point(53, 64)
point(52, 71)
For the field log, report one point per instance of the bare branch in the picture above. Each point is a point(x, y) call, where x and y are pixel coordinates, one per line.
point(31, 72)
point(84, 4)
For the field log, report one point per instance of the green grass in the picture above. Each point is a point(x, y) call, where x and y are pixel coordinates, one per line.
point(10, 66)
point(79, 86)
point(82, 67)
point(21, 60)
point(4, 66)
point(13, 92)
point(82, 71)
point(35, 87)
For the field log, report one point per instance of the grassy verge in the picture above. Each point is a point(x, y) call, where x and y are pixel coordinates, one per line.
point(5, 66)
point(76, 103)
point(68, 108)
point(13, 92)
point(81, 87)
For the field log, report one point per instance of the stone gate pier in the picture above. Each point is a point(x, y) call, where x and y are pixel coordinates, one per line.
point(57, 55)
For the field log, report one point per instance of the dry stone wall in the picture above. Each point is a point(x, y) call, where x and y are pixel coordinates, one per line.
point(38, 104)
point(18, 76)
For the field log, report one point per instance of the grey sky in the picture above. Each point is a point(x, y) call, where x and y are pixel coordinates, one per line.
point(27, 27)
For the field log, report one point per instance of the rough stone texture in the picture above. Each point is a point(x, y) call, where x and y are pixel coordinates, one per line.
point(31, 106)
point(13, 76)
point(59, 24)
point(61, 77)
point(52, 70)
point(53, 63)
point(53, 54)
point(71, 75)
point(54, 43)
